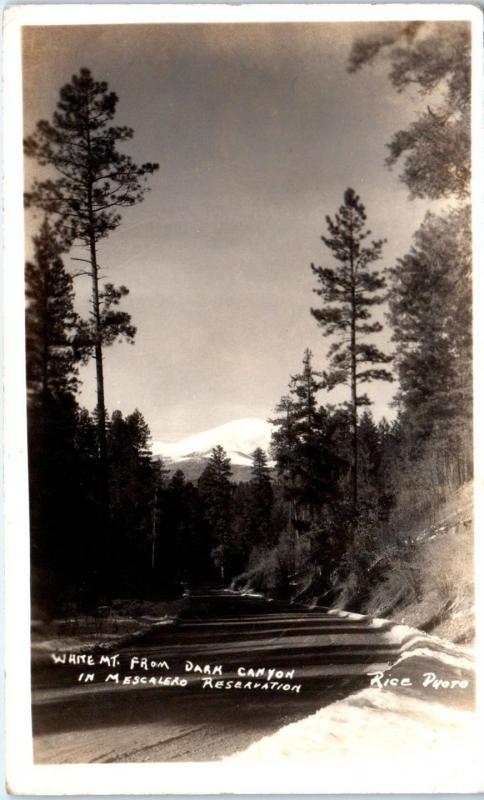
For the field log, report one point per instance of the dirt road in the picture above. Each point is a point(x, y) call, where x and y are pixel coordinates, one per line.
point(231, 671)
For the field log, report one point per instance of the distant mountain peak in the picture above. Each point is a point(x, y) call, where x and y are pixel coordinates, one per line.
point(239, 438)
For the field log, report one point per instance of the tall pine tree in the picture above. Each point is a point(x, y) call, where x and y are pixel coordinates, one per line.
point(51, 322)
point(302, 447)
point(52, 363)
point(430, 295)
point(261, 500)
point(431, 314)
point(133, 482)
point(349, 290)
point(216, 491)
point(95, 179)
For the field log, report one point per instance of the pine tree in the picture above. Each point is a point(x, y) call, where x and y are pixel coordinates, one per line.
point(369, 448)
point(140, 436)
point(94, 180)
point(132, 479)
point(349, 290)
point(260, 500)
point(216, 490)
point(186, 546)
point(297, 412)
point(159, 478)
point(261, 474)
point(52, 379)
point(431, 314)
point(51, 322)
point(435, 146)
point(303, 449)
point(430, 297)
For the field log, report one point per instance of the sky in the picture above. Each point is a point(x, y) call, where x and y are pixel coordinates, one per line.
point(258, 130)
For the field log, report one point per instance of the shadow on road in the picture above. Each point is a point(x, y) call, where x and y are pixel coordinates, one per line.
point(330, 656)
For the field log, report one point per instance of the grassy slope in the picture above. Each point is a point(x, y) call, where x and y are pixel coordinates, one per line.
point(434, 588)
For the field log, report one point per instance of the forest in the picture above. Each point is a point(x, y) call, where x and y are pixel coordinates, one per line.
point(334, 499)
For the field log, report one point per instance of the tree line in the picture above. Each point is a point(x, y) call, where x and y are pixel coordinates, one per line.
point(107, 518)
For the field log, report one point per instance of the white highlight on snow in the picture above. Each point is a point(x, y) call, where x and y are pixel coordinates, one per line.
point(459, 661)
point(239, 438)
point(431, 748)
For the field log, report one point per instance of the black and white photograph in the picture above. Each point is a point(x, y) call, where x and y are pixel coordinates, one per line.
point(246, 269)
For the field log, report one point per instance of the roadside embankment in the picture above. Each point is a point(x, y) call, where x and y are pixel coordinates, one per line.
point(431, 585)
point(413, 729)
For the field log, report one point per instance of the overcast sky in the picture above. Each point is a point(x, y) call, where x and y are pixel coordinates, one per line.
point(258, 130)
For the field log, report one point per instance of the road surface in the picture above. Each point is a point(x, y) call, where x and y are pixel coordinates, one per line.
point(251, 666)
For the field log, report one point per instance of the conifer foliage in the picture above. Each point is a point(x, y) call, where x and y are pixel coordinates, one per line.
point(261, 500)
point(430, 311)
point(216, 492)
point(51, 322)
point(132, 484)
point(349, 290)
point(94, 180)
point(52, 380)
point(434, 149)
point(303, 448)
point(431, 285)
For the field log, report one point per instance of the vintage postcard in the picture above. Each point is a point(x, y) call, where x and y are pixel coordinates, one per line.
point(241, 453)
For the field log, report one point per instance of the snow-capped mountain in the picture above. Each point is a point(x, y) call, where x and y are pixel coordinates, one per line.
point(239, 438)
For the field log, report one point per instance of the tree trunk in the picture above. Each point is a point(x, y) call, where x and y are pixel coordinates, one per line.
point(222, 564)
point(101, 406)
point(98, 353)
point(101, 424)
point(354, 406)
